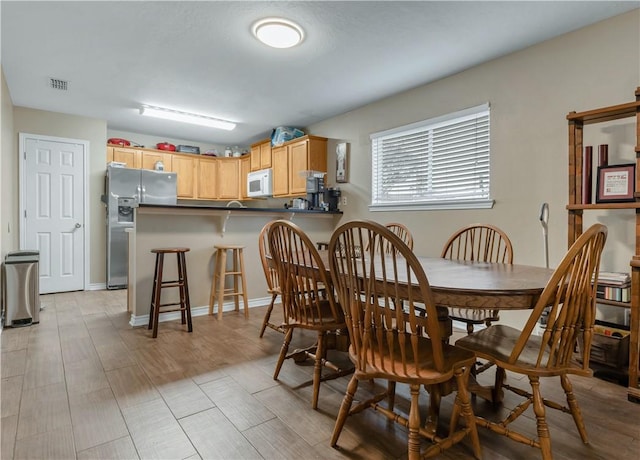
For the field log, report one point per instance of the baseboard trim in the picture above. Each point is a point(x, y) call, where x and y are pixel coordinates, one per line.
point(143, 320)
point(97, 287)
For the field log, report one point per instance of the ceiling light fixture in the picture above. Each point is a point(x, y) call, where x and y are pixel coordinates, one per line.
point(185, 117)
point(278, 32)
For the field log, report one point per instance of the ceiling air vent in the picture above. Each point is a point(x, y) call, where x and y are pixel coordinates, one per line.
point(56, 83)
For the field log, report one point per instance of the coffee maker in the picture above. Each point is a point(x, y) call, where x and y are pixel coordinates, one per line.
point(332, 199)
point(315, 191)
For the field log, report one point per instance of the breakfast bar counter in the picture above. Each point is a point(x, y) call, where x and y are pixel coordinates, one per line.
point(200, 227)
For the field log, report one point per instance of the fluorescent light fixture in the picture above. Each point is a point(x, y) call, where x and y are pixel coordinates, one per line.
point(185, 117)
point(278, 32)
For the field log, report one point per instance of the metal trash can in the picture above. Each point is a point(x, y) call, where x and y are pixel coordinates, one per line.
point(21, 288)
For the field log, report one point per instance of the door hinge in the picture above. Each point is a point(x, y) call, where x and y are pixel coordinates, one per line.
point(25, 154)
point(25, 213)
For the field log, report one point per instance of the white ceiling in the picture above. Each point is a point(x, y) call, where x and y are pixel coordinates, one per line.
point(201, 56)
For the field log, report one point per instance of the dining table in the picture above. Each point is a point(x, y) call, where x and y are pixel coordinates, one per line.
point(474, 285)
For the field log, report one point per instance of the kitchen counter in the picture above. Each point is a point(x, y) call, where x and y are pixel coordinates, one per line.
point(199, 227)
point(235, 209)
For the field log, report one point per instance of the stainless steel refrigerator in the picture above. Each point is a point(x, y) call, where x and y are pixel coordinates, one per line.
point(125, 188)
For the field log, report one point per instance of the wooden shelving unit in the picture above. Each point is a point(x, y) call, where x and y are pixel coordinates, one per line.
point(575, 208)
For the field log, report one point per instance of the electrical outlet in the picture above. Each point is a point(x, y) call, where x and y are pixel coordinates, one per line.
point(344, 200)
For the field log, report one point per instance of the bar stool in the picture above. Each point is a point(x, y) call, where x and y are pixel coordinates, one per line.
point(218, 290)
point(159, 284)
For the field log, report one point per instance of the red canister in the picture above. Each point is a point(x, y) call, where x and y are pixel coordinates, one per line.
point(166, 146)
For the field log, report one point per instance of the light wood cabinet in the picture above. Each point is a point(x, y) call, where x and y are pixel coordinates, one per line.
point(109, 154)
point(291, 158)
point(228, 178)
point(149, 160)
point(132, 158)
point(261, 155)
point(577, 122)
point(245, 168)
point(207, 178)
point(185, 167)
point(265, 154)
point(280, 175)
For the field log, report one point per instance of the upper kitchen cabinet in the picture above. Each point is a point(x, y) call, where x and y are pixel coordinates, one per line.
point(207, 178)
point(245, 167)
point(151, 159)
point(132, 158)
point(186, 167)
point(280, 170)
point(228, 178)
point(261, 155)
point(305, 153)
point(291, 158)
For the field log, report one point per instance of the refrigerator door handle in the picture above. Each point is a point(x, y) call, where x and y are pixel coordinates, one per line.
point(139, 189)
point(144, 192)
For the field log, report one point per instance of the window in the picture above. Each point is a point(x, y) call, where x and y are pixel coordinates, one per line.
point(441, 163)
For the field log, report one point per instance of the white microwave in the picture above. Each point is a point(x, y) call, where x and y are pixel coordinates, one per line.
point(259, 183)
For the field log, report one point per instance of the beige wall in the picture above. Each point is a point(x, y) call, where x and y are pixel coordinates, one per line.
point(9, 183)
point(89, 129)
point(530, 93)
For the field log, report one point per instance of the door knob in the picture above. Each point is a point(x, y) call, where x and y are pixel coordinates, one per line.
point(78, 225)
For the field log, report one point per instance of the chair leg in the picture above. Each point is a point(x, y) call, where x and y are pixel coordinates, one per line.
point(216, 270)
point(575, 409)
point(463, 405)
point(156, 297)
point(153, 293)
point(267, 315)
point(221, 280)
point(283, 352)
point(243, 281)
point(435, 396)
point(391, 394)
point(317, 369)
point(180, 260)
point(414, 424)
point(345, 408)
point(541, 422)
point(184, 294)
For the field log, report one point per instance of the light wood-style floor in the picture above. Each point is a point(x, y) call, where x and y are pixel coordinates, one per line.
point(84, 384)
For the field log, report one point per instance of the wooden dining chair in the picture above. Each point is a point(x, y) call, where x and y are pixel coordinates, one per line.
point(572, 297)
point(307, 299)
point(271, 276)
point(478, 242)
point(402, 232)
point(385, 342)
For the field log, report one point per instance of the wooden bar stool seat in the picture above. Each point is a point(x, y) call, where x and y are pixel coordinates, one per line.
point(220, 273)
point(159, 284)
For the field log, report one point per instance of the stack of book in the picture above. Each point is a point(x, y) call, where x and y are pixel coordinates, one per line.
point(614, 286)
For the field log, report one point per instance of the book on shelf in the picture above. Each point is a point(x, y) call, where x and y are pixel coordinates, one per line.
point(614, 279)
point(617, 293)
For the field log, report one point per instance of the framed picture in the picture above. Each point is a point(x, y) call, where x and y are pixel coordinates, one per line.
point(341, 162)
point(616, 183)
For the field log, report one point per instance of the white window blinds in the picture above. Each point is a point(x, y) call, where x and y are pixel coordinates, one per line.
point(436, 163)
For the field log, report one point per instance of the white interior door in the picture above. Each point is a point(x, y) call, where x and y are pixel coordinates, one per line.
point(53, 209)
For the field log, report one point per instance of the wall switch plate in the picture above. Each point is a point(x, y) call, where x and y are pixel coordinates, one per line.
point(344, 200)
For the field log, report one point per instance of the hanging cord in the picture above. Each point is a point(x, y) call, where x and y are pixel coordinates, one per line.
point(544, 220)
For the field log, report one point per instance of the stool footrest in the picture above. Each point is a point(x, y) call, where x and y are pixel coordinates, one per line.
point(169, 304)
point(173, 309)
point(171, 283)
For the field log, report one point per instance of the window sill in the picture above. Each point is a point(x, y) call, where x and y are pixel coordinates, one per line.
point(436, 206)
